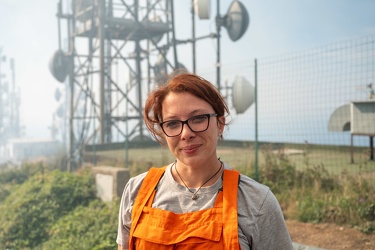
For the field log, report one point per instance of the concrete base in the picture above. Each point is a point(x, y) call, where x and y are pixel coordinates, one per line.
point(297, 246)
point(110, 181)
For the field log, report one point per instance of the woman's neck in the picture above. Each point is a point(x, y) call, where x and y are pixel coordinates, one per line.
point(197, 176)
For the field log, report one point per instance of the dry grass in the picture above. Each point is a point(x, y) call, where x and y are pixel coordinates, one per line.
point(334, 159)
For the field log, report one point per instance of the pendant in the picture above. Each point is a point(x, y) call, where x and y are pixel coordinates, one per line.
point(195, 197)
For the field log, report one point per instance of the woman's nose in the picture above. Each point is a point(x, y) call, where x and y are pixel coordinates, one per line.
point(186, 132)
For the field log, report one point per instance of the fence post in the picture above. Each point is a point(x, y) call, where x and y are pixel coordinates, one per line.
point(256, 118)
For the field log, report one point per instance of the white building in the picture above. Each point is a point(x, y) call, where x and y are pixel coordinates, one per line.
point(21, 149)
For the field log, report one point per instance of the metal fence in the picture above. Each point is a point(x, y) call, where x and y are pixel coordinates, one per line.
point(298, 93)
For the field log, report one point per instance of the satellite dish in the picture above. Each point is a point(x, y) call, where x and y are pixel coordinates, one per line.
point(160, 70)
point(340, 119)
point(157, 39)
point(57, 94)
point(242, 94)
point(58, 65)
point(4, 87)
point(129, 77)
point(83, 9)
point(236, 20)
point(60, 111)
point(202, 8)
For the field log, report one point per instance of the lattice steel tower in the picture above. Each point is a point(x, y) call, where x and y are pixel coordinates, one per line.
point(9, 101)
point(116, 51)
point(112, 46)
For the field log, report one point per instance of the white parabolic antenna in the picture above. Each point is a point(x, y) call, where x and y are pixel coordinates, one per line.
point(157, 39)
point(161, 71)
point(242, 94)
point(202, 8)
point(236, 20)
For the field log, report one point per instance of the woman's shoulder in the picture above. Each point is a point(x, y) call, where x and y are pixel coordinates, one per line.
point(138, 178)
point(134, 185)
point(249, 184)
point(135, 182)
point(256, 195)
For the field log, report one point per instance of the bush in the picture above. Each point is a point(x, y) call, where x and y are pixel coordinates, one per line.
point(31, 209)
point(319, 196)
point(91, 227)
point(14, 175)
point(311, 210)
point(278, 172)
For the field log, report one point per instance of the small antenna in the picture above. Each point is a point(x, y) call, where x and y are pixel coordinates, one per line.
point(369, 88)
point(372, 91)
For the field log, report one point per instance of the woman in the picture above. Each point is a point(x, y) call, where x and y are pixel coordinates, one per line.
point(196, 202)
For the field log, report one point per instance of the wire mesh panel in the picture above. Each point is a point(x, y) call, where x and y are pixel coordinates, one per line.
point(297, 95)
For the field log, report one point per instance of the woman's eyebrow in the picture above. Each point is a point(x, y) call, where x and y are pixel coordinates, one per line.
point(192, 113)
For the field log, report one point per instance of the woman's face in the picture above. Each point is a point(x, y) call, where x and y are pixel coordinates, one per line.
point(192, 148)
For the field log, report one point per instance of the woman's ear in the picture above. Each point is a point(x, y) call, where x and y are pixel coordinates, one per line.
point(221, 125)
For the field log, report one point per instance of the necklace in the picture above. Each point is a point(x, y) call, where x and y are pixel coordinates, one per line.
point(195, 195)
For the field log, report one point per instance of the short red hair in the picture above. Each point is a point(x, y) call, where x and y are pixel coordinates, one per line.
point(181, 83)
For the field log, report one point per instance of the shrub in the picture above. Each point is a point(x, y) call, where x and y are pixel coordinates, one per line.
point(311, 209)
point(278, 172)
point(32, 208)
point(14, 175)
point(318, 195)
point(91, 227)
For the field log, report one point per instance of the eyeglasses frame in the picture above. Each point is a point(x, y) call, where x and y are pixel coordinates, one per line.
point(186, 122)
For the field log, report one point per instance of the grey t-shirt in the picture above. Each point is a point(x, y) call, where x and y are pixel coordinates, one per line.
point(261, 223)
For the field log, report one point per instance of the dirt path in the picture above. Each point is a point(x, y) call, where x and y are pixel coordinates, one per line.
point(329, 236)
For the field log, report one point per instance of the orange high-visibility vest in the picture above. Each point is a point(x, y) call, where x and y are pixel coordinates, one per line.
point(214, 228)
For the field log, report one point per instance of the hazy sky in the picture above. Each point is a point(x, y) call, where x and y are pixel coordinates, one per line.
point(29, 35)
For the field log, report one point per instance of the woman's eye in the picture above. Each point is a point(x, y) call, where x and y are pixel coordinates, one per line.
point(173, 124)
point(199, 119)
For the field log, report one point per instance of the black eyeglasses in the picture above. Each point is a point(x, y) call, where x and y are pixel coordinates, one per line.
point(197, 123)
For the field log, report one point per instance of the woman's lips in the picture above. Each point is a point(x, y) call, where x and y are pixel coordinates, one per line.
point(191, 148)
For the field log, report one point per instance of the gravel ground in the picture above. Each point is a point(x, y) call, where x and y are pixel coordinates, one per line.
point(328, 236)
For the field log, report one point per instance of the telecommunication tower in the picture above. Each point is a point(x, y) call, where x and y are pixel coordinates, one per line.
point(117, 51)
point(9, 101)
